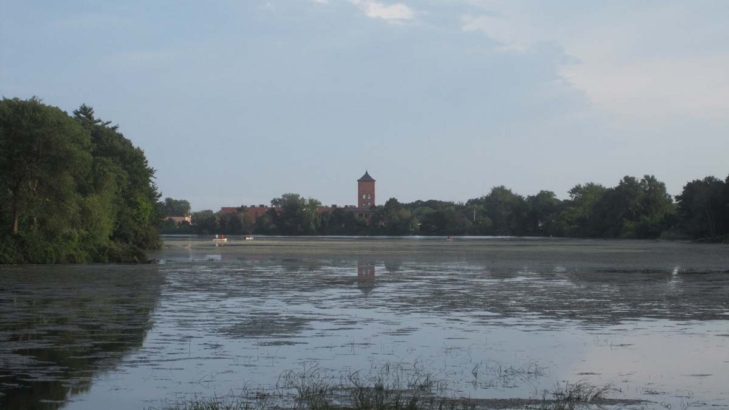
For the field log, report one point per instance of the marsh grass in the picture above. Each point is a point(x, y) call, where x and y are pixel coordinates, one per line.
point(572, 396)
point(216, 403)
point(582, 392)
point(390, 387)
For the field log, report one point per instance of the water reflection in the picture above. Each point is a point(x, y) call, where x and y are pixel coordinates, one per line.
point(484, 318)
point(393, 265)
point(365, 276)
point(63, 325)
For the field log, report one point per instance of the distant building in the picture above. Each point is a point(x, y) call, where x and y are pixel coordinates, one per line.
point(180, 219)
point(365, 195)
point(366, 191)
point(365, 200)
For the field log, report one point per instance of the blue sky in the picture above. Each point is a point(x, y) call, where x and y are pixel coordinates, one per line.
point(238, 102)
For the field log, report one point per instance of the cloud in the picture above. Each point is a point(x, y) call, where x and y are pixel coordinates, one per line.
point(635, 61)
point(498, 29)
point(392, 12)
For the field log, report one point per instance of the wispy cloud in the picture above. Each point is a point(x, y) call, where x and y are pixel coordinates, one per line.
point(391, 12)
point(499, 29)
point(635, 61)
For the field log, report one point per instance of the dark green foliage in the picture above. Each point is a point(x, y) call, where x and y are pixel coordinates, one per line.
point(179, 228)
point(298, 216)
point(703, 208)
point(578, 216)
point(443, 221)
point(239, 223)
point(44, 157)
point(340, 222)
point(635, 208)
point(137, 214)
point(394, 219)
point(205, 222)
point(175, 207)
point(266, 224)
point(72, 189)
point(506, 210)
point(542, 213)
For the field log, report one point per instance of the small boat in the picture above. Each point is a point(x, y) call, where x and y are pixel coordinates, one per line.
point(249, 238)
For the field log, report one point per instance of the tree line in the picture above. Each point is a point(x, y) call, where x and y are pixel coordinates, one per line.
point(73, 189)
point(633, 209)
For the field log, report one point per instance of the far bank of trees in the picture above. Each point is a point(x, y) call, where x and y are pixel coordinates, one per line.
point(633, 209)
point(72, 188)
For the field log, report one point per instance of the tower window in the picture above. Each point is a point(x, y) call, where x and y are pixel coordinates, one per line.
point(364, 196)
point(369, 196)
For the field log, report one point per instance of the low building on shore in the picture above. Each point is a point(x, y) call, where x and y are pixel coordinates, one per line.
point(180, 219)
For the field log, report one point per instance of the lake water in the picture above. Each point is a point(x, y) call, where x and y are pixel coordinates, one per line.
point(481, 318)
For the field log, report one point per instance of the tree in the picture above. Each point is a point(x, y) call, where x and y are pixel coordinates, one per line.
point(633, 209)
point(175, 207)
point(393, 219)
point(702, 208)
point(238, 223)
point(443, 221)
point(578, 216)
point(72, 189)
point(43, 156)
point(542, 213)
point(268, 222)
point(138, 216)
point(505, 209)
point(476, 208)
point(339, 222)
point(312, 218)
point(205, 222)
point(298, 215)
point(657, 209)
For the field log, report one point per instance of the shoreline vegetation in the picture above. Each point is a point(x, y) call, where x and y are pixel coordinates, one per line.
point(73, 189)
point(633, 209)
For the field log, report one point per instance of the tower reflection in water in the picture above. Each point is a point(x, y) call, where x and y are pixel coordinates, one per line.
point(365, 276)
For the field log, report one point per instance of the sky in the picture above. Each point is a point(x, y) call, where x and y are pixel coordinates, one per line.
point(239, 102)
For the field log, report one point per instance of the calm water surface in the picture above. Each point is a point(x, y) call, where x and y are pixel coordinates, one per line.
point(485, 318)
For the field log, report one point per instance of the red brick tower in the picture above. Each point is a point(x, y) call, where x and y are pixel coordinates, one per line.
point(365, 191)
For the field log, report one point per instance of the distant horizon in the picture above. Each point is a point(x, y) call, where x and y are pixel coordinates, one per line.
point(383, 199)
point(240, 102)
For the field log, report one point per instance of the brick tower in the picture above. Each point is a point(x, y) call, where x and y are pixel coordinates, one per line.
point(365, 191)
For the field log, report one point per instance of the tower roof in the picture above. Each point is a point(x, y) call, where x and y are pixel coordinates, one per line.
point(366, 178)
